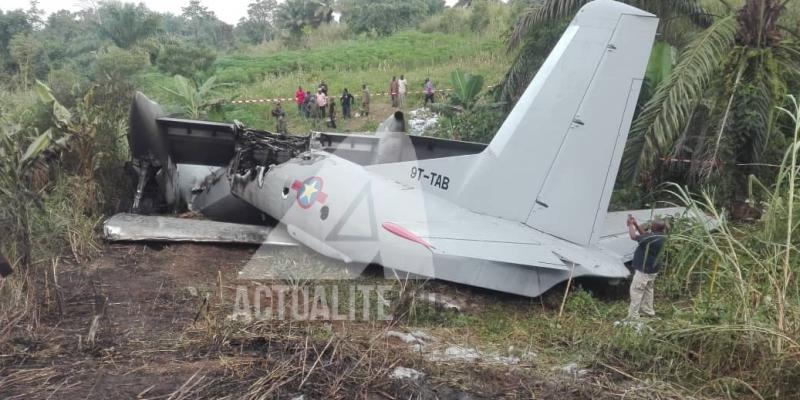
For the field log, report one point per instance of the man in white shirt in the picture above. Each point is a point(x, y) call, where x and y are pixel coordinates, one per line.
point(402, 86)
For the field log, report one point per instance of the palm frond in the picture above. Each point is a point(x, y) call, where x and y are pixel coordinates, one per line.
point(556, 10)
point(664, 116)
point(768, 91)
point(787, 55)
point(669, 9)
point(540, 14)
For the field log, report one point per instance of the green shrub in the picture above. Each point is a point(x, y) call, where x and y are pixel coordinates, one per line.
point(452, 20)
point(382, 17)
point(66, 85)
point(478, 125)
point(117, 64)
point(186, 59)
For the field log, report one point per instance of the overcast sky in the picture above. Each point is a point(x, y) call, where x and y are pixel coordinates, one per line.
point(227, 10)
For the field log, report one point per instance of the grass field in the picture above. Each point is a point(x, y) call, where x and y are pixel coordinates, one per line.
point(271, 73)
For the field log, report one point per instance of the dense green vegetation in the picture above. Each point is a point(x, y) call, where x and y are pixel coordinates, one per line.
point(729, 299)
point(715, 105)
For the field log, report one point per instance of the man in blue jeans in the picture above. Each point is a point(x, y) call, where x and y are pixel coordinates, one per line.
point(646, 264)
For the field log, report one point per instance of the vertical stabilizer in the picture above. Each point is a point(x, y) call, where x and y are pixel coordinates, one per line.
point(553, 163)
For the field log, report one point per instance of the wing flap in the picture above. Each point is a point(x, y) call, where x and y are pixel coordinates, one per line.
point(514, 253)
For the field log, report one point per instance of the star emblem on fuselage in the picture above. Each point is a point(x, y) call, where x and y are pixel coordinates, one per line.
point(309, 191)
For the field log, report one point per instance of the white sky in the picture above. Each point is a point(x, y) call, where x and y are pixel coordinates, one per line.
point(227, 10)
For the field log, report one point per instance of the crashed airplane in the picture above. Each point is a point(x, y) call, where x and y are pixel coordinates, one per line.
point(519, 215)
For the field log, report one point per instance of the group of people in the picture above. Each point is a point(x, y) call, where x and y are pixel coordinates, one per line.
point(398, 89)
point(322, 106)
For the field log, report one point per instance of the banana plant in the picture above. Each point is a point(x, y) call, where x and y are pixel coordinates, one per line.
point(21, 152)
point(465, 95)
point(195, 97)
point(466, 88)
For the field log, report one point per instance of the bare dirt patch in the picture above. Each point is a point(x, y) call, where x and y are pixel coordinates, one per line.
point(149, 322)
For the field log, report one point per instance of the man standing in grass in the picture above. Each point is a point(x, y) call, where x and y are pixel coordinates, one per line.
point(402, 88)
point(347, 100)
point(332, 113)
point(364, 100)
point(322, 102)
point(393, 88)
point(300, 98)
point(280, 117)
point(429, 91)
point(646, 264)
point(308, 105)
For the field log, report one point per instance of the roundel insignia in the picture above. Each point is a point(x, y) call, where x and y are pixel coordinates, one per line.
point(309, 191)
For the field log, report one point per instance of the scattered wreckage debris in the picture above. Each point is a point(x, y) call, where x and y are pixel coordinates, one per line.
point(425, 344)
point(406, 373)
point(441, 300)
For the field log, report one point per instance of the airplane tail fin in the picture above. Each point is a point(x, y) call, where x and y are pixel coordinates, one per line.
point(553, 163)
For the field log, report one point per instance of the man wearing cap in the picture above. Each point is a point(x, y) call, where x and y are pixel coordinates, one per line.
point(646, 264)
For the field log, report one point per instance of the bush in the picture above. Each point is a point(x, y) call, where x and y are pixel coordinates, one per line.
point(452, 20)
point(66, 85)
point(117, 64)
point(327, 34)
point(186, 59)
point(477, 125)
point(382, 17)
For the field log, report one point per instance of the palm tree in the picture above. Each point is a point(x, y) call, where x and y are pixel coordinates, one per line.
point(321, 11)
point(125, 24)
point(292, 17)
point(717, 102)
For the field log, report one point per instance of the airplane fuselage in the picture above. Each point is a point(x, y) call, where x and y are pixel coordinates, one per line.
point(343, 210)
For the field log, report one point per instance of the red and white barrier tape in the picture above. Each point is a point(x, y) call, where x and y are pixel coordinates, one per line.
point(286, 99)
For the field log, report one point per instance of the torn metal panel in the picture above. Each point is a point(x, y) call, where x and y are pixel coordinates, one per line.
point(132, 227)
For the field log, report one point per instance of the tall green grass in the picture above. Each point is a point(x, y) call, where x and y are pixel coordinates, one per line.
point(737, 331)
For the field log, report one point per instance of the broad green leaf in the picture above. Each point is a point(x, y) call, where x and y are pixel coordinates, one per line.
point(61, 114)
point(44, 92)
point(661, 61)
point(37, 146)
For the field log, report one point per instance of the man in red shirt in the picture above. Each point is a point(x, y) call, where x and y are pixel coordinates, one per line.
point(300, 98)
